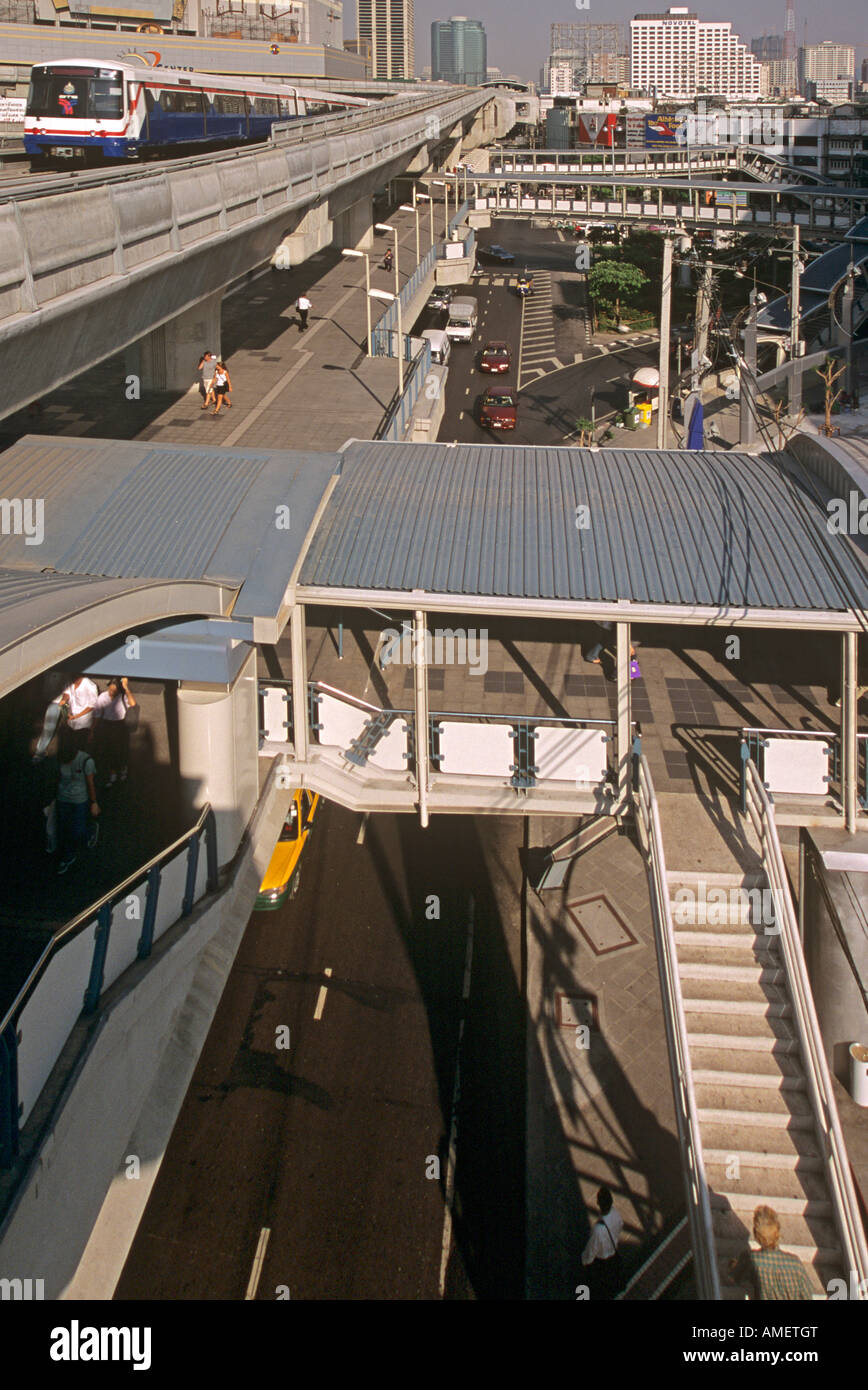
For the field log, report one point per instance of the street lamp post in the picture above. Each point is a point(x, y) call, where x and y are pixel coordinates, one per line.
point(441, 183)
point(405, 207)
point(354, 256)
point(396, 299)
point(426, 198)
point(387, 227)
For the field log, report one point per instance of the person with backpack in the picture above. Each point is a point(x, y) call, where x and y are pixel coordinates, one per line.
point(77, 806)
point(601, 1255)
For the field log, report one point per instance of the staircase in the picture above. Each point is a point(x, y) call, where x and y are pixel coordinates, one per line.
point(758, 1137)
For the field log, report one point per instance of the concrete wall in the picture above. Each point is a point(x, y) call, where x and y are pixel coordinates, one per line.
point(118, 1088)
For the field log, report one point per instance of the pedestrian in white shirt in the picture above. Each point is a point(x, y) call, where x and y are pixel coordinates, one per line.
point(112, 707)
point(80, 698)
point(304, 306)
point(600, 1254)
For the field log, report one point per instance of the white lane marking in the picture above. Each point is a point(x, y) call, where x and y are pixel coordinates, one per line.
point(467, 390)
point(258, 1261)
point(453, 1124)
point(360, 838)
point(321, 997)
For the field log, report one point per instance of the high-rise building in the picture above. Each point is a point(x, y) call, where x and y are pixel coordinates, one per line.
point(389, 27)
point(782, 77)
point(676, 54)
point(586, 49)
point(458, 51)
point(769, 48)
point(827, 62)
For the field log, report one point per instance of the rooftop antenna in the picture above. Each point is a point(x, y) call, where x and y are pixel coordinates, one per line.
point(790, 32)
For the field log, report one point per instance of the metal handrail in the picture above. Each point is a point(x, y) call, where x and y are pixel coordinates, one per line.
point(86, 918)
point(690, 1142)
point(845, 1202)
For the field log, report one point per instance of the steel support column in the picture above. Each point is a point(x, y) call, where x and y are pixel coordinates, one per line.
point(624, 746)
point(298, 648)
point(420, 671)
point(849, 764)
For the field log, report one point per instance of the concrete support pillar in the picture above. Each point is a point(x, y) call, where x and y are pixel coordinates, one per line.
point(218, 752)
point(354, 228)
point(165, 359)
point(420, 706)
point(314, 232)
point(747, 383)
point(298, 648)
point(624, 733)
point(849, 759)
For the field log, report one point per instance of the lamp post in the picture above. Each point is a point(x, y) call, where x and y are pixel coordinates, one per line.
point(387, 227)
point(405, 207)
point(354, 256)
point(426, 198)
point(394, 299)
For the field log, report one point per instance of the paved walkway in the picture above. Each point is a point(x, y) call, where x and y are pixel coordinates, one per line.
point(290, 390)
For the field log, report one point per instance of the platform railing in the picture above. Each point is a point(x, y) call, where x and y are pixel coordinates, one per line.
point(848, 1220)
point(85, 957)
point(686, 1116)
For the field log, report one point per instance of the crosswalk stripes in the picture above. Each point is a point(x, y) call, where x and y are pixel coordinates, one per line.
point(537, 344)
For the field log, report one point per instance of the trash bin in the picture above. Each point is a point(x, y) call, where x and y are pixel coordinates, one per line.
point(631, 418)
point(645, 413)
point(859, 1073)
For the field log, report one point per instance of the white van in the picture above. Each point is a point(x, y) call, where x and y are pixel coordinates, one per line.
point(440, 346)
point(463, 314)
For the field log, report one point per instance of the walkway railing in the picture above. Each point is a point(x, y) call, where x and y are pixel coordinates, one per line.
point(383, 336)
point(526, 749)
point(397, 418)
point(844, 1200)
point(85, 958)
point(689, 1139)
point(801, 762)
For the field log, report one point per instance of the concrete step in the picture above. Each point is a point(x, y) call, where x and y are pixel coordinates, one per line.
point(752, 1003)
point(755, 973)
point(819, 1272)
point(775, 1183)
point(747, 1061)
point(760, 1119)
point(799, 1205)
point(774, 1045)
point(771, 1081)
point(725, 944)
point(797, 1153)
point(770, 1145)
point(759, 1101)
point(696, 878)
point(736, 909)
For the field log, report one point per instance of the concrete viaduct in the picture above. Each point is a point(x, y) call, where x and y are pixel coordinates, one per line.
point(141, 262)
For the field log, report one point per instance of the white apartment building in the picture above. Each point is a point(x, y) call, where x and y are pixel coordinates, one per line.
point(828, 62)
point(389, 27)
point(676, 54)
point(560, 80)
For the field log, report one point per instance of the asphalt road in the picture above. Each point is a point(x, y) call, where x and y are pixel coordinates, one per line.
point(548, 405)
point(326, 1145)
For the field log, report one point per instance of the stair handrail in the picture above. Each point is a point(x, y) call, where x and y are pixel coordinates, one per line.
point(845, 1202)
point(686, 1116)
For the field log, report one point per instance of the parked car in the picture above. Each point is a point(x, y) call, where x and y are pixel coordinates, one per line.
point(498, 410)
point(440, 300)
point(282, 875)
point(495, 255)
point(495, 357)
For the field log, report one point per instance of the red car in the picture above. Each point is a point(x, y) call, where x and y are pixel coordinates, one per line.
point(496, 357)
point(498, 410)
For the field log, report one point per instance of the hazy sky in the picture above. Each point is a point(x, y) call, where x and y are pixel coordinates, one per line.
point(518, 30)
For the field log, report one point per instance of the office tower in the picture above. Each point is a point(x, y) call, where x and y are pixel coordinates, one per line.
point(458, 51)
point(389, 27)
point(676, 54)
point(587, 49)
point(827, 62)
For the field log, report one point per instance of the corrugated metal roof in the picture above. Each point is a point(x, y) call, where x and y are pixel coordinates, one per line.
point(166, 512)
point(712, 530)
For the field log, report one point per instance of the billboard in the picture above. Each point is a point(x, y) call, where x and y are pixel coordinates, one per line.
point(661, 132)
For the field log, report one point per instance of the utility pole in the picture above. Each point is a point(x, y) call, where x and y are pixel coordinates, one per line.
point(795, 328)
point(847, 325)
point(665, 317)
point(703, 315)
point(747, 379)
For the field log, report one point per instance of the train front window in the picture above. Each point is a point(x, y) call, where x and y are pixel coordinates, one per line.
point(86, 94)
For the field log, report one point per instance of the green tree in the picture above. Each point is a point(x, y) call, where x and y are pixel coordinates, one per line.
point(612, 281)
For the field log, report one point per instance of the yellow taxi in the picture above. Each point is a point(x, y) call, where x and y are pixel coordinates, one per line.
point(282, 875)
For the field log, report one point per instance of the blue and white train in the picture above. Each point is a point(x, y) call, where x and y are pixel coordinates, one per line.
point(100, 112)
